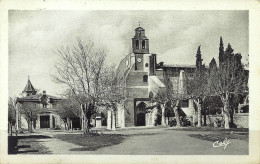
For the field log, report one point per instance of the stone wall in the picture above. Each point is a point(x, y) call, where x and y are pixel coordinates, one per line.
point(240, 119)
point(136, 79)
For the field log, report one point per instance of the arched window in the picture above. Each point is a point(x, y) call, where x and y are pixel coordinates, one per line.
point(145, 78)
point(146, 64)
point(143, 44)
point(137, 44)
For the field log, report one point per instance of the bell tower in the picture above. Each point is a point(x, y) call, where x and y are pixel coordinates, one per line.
point(140, 43)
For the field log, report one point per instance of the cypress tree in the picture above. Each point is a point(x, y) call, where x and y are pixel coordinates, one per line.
point(221, 52)
point(198, 59)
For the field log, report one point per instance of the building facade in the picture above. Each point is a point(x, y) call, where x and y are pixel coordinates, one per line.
point(144, 77)
point(47, 115)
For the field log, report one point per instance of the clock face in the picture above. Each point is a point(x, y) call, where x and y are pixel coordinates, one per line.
point(139, 60)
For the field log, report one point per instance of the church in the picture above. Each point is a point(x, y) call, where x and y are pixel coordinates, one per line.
point(143, 77)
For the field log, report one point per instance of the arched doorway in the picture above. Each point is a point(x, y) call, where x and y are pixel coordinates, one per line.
point(140, 119)
point(140, 114)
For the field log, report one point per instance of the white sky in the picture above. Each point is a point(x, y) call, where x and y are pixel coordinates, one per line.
point(174, 36)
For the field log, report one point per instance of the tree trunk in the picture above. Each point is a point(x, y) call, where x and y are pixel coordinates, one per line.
point(109, 116)
point(194, 118)
point(113, 120)
point(232, 117)
point(163, 116)
point(205, 118)
point(11, 128)
point(199, 115)
point(86, 126)
point(82, 118)
point(198, 104)
point(30, 126)
point(17, 118)
point(177, 116)
point(226, 115)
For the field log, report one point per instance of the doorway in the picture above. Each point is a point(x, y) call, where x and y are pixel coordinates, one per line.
point(44, 121)
point(140, 119)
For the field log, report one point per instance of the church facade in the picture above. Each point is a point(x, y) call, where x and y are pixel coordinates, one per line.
point(143, 77)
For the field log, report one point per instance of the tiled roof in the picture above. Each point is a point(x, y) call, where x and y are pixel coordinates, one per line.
point(29, 87)
point(139, 29)
point(179, 65)
point(35, 97)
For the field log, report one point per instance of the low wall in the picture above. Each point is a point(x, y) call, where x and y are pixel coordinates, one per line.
point(240, 119)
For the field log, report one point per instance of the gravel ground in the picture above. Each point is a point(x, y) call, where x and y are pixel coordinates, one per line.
point(156, 141)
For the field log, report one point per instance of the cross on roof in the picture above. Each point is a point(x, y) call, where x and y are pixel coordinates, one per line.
point(139, 23)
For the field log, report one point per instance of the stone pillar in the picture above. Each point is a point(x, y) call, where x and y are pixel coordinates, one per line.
point(51, 127)
point(163, 116)
point(239, 108)
point(191, 104)
point(109, 119)
point(38, 122)
point(154, 116)
point(98, 122)
point(147, 119)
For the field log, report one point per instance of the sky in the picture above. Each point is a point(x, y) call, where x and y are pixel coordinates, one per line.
point(174, 36)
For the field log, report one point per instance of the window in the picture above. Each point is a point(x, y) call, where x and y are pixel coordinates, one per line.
point(137, 44)
point(139, 33)
point(145, 78)
point(146, 64)
point(143, 44)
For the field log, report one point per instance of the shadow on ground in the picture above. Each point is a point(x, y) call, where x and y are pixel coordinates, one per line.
point(27, 144)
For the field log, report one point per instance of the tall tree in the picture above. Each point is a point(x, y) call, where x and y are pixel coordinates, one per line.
point(68, 108)
point(11, 114)
point(80, 69)
point(221, 56)
point(30, 112)
point(228, 79)
point(113, 92)
point(198, 85)
point(83, 70)
point(170, 97)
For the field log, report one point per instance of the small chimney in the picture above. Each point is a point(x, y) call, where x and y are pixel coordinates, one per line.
point(44, 92)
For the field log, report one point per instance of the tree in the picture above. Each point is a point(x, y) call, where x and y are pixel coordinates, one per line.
point(228, 79)
point(197, 86)
point(83, 71)
point(113, 92)
point(30, 112)
point(11, 114)
point(68, 108)
point(170, 98)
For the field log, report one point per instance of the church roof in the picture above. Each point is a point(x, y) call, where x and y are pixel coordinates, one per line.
point(29, 87)
point(139, 29)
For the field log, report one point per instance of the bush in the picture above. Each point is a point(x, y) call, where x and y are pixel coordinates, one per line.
point(185, 122)
point(173, 122)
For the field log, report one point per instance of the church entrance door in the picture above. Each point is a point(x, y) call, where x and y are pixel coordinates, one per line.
point(140, 119)
point(44, 121)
